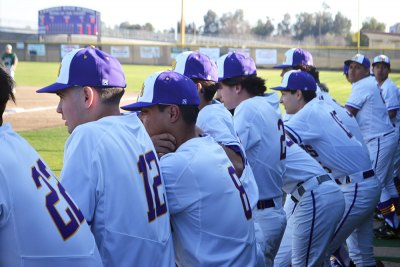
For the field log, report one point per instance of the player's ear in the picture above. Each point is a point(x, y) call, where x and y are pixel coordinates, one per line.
point(200, 88)
point(174, 113)
point(238, 88)
point(89, 96)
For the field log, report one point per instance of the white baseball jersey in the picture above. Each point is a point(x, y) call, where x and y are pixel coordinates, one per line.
point(217, 121)
point(210, 212)
point(40, 225)
point(372, 116)
point(391, 95)
point(348, 120)
point(317, 128)
point(111, 168)
point(261, 131)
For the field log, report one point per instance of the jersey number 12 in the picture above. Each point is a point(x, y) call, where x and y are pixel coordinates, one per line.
point(155, 205)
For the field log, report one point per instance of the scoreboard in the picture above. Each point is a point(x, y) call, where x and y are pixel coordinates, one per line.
point(69, 20)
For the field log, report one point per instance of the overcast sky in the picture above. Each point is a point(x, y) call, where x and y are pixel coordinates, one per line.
point(163, 14)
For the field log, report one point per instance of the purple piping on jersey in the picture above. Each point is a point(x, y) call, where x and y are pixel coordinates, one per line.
point(348, 212)
point(312, 229)
point(377, 154)
point(292, 134)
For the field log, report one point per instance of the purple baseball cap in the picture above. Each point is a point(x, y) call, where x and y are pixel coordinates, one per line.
point(381, 59)
point(295, 57)
point(166, 88)
point(360, 59)
point(345, 69)
point(87, 67)
point(196, 65)
point(235, 65)
point(297, 80)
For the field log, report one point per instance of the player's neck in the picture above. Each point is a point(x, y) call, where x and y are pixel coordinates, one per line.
point(183, 134)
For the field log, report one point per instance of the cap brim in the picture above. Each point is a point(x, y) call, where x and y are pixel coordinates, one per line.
point(282, 66)
point(137, 106)
point(53, 88)
point(279, 88)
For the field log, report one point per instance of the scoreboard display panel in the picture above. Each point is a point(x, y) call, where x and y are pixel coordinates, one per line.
point(69, 20)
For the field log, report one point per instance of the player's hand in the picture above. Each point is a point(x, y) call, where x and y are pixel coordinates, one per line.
point(164, 143)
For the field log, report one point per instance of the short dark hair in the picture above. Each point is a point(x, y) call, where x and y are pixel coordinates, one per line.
point(253, 84)
point(189, 112)
point(7, 85)
point(110, 95)
point(210, 88)
point(307, 95)
point(310, 69)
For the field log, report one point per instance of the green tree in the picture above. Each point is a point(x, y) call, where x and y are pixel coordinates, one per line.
point(341, 25)
point(234, 23)
point(304, 25)
point(284, 26)
point(263, 29)
point(211, 23)
point(370, 24)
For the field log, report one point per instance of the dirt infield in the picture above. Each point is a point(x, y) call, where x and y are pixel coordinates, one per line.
point(35, 111)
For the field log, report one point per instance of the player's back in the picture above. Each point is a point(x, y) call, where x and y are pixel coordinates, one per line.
point(128, 210)
point(321, 133)
point(261, 131)
point(217, 121)
point(40, 225)
point(344, 116)
point(210, 214)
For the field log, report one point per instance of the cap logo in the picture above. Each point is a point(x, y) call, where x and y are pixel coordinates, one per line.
point(184, 101)
point(84, 56)
point(141, 91)
point(59, 70)
point(104, 82)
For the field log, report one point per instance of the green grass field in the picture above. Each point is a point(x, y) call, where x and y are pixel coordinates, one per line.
point(39, 74)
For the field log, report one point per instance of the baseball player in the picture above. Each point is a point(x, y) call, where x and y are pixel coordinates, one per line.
point(316, 127)
point(260, 129)
point(390, 94)
point(313, 254)
point(9, 60)
point(213, 118)
point(40, 225)
point(210, 211)
point(110, 164)
point(366, 104)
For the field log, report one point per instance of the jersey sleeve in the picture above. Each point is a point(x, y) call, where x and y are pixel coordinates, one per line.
point(80, 173)
point(357, 98)
point(390, 95)
point(178, 180)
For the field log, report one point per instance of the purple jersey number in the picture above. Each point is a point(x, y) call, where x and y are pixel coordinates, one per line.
point(75, 215)
point(281, 128)
point(339, 121)
point(243, 195)
point(156, 208)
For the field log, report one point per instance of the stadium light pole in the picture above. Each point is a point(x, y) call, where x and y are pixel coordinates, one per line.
point(182, 26)
point(358, 27)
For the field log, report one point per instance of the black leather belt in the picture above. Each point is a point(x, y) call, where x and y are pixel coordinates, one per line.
point(301, 190)
point(265, 203)
point(366, 175)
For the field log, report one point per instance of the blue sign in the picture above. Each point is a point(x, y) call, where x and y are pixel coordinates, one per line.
point(69, 20)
